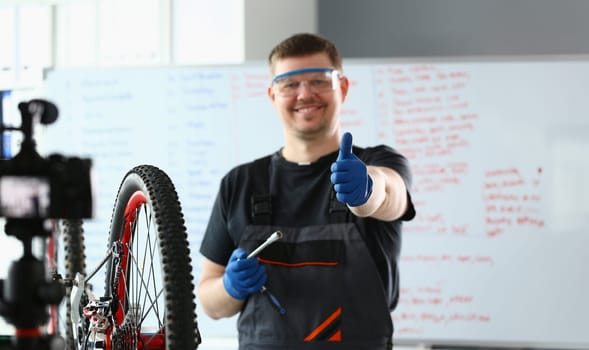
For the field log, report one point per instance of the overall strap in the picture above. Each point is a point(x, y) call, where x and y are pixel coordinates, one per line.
point(338, 211)
point(261, 200)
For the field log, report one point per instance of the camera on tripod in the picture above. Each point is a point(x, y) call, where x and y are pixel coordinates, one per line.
point(34, 187)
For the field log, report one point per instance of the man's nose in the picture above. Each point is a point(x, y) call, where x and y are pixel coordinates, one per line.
point(305, 89)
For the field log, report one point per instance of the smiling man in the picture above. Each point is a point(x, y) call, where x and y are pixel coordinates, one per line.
point(331, 281)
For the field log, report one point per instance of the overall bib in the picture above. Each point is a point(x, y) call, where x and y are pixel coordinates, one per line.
point(323, 276)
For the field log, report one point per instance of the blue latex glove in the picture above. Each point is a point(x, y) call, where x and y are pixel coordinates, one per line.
point(349, 176)
point(243, 276)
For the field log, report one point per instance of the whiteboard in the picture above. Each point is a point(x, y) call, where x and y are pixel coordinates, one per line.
point(497, 252)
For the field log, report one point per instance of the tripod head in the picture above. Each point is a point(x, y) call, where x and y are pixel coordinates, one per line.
point(34, 190)
point(33, 187)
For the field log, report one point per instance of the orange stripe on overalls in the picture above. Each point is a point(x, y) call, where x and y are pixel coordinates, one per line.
point(306, 263)
point(336, 337)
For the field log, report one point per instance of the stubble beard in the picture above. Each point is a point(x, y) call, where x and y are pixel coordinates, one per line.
point(309, 134)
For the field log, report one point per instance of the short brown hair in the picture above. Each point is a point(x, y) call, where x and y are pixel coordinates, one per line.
point(304, 44)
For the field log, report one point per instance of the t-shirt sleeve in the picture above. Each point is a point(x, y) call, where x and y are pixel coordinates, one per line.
point(388, 157)
point(217, 244)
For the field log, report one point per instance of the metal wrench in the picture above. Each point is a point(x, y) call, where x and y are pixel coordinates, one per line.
point(273, 238)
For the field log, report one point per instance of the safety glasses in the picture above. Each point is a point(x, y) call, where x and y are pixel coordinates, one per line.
point(317, 80)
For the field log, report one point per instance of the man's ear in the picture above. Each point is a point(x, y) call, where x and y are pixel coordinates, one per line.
point(344, 84)
point(270, 93)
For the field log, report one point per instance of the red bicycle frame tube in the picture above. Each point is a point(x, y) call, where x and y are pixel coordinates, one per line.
point(148, 340)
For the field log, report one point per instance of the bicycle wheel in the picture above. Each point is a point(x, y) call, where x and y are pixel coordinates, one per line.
point(67, 238)
point(149, 277)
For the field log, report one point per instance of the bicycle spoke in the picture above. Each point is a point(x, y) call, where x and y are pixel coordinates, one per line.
point(137, 281)
point(152, 301)
point(152, 305)
point(153, 274)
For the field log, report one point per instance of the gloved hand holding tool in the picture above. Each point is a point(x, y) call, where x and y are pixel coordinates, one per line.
point(243, 276)
point(349, 175)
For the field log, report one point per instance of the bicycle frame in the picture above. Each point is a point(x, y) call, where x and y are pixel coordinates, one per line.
point(102, 322)
point(133, 310)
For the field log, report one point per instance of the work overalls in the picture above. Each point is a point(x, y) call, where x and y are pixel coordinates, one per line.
point(324, 278)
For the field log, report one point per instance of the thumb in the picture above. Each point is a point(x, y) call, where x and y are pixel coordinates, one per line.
point(345, 147)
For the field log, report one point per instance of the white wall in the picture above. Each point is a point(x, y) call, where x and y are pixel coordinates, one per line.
point(268, 22)
point(44, 34)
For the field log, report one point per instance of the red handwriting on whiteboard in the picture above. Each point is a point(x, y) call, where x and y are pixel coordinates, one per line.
point(449, 258)
point(421, 307)
point(428, 108)
point(512, 200)
point(350, 116)
point(255, 85)
point(425, 111)
point(436, 177)
point(439, 318)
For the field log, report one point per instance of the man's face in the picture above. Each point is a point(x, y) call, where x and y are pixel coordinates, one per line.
point(307, 105)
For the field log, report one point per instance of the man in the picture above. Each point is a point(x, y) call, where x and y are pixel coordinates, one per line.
point(332, 280)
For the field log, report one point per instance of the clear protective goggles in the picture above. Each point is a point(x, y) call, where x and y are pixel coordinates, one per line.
point(317, 80)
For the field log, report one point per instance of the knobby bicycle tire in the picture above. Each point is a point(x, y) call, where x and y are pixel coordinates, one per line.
point(67, 238)
point(162, 211)
point(75, 261)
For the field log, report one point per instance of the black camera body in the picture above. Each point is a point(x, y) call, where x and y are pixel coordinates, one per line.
point(53, 187)
point(34, 187)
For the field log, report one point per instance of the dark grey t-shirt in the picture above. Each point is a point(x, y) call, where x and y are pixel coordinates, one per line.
point(300, 197)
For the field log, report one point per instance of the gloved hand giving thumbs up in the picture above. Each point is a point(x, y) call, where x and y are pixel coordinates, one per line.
point(349, 176)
